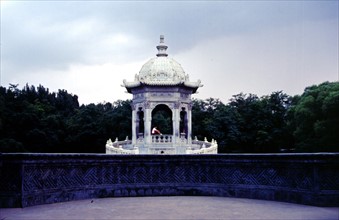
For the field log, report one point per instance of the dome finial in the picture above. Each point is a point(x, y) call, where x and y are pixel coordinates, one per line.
point(162, 47)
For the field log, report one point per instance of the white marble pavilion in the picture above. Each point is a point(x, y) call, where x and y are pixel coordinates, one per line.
point(161, 85)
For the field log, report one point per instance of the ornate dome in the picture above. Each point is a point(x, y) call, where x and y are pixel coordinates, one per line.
point(161, 71)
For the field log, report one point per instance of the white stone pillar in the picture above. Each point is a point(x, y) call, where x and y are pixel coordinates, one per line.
point(176, 124)
point(148, 123)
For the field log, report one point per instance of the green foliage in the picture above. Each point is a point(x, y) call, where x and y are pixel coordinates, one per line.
point(34, 120)
point(163, 122)
point(162, 119)
point(315, 119)
point(246, 124)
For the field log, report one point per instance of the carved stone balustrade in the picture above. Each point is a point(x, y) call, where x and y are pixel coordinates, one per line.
point(162, 139)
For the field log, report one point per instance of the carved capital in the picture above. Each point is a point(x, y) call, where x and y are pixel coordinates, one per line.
point(177, 105)
point(147, 105)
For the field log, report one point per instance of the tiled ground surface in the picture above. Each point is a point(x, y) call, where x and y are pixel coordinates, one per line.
point(171, 208)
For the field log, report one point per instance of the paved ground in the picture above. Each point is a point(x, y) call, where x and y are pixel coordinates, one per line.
point(170, 208)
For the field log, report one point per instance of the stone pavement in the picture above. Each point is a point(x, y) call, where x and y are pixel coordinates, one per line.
point(170, 208)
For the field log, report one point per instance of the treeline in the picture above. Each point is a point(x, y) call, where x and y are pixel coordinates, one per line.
point(273, 123)
point(35, 120)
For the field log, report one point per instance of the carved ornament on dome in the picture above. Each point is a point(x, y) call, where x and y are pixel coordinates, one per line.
point(161, 71)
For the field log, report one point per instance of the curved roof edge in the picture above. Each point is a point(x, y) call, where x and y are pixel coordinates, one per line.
point(136, 84)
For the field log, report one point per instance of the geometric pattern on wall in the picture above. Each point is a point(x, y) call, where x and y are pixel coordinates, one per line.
point(329, 179)
point(56, 177)
point(36, 177)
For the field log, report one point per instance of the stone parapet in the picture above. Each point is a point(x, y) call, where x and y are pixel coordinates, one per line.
point(162, 144)
point(34, 179)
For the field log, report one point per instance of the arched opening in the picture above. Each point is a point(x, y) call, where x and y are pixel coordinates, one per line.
point(183, 123)
point(140, 123)
point(162, 119)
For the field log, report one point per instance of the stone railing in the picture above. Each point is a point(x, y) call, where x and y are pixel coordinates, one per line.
point(120, 150)
point(117, 143)
point(33, 179)
point(203, 147)
point(120, 147)
point(159, 139)
point(160, 144)
point(200, 144)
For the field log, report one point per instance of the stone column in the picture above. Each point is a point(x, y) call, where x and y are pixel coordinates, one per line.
point(148, 124)
point(176, 123)
point(173, 126)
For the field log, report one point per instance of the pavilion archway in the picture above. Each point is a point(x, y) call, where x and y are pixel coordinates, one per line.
point(162, 117)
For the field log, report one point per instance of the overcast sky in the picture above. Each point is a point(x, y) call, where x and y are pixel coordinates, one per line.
point(89, 47)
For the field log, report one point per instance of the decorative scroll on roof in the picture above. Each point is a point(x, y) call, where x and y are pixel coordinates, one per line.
point(161, 71)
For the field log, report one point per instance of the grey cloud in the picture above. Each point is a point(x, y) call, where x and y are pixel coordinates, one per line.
point(56, 34)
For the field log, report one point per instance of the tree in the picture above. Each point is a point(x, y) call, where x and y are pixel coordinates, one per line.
point(315, 118)
point(249, 123)
point(202, 117)
point(273, 135)
point(35, 120)
point(32, 119)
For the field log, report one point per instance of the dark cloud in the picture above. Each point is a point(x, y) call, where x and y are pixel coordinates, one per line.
point(56, 35)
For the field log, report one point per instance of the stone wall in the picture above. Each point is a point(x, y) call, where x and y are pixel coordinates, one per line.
point(33, 179)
